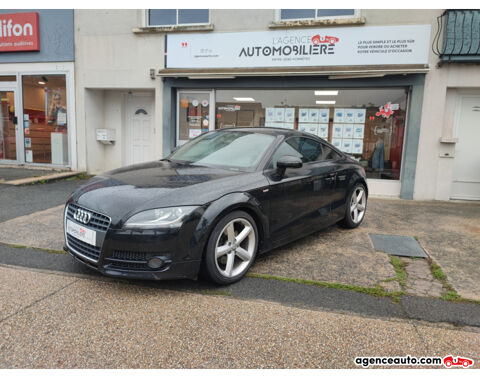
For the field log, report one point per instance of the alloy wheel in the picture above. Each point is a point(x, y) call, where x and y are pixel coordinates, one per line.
point(235, 247)
point(358, 204)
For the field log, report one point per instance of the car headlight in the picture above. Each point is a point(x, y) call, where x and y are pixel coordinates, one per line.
point(155, 218)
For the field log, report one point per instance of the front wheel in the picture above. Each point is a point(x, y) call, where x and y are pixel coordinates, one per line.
point(356, 207)
point(231, 248)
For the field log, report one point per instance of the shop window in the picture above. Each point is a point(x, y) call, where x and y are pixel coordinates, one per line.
point(311, 14)
point(368, 124)
point(8, 78)
point(167, 17)
point(45, 119)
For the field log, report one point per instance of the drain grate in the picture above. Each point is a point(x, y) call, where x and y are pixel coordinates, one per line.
point(397, 245)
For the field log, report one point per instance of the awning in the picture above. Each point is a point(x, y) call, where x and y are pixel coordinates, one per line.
point(333, 72)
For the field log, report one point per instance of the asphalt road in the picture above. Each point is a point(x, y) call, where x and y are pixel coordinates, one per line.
point(16, 201)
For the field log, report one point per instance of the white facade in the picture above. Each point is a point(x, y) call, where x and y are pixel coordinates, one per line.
point(115, 53)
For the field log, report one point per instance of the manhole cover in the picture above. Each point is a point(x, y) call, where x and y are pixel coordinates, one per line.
point(397, 245)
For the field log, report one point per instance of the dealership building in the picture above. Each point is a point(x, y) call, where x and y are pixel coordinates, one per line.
point(391, 88)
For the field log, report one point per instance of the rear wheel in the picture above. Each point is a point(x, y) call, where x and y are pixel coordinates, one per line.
point(356, 207)
point(231, 248)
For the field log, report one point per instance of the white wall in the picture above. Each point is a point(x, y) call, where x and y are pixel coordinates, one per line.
point(109, 56)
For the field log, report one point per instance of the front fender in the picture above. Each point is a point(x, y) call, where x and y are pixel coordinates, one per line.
point(226, 204)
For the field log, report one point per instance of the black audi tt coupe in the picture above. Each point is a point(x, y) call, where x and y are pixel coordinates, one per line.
point(213, 205)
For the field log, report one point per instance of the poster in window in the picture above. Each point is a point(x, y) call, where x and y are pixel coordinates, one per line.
point(337, 131)
point(348, 131)
point(288, 125)
point(358, 131)
point(279, 114)
point(193, 133)
point(313, 115)
point(349, 116)
point(347, 145)
point(271, 124)
point(290, 115)
point(322, 131)
point(56, 111)
point(357, 146)
point(360, 115)
point(338, 116)
point(269, 115)
point(323, 115)
point(28, 142)
point(29, 156)
point(311, 128)
point(303, 115)
point(337, 143)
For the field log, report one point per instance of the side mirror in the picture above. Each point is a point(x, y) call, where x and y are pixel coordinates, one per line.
point(288, 161)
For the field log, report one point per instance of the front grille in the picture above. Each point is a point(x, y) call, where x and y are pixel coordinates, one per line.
point(130, 260)
point(98, 222)
point(83, 248)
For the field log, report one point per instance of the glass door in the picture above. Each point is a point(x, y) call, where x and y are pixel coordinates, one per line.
point(8, 126)
point(195, 114)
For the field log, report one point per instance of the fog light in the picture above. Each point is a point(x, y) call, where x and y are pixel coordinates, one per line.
point(155, 262)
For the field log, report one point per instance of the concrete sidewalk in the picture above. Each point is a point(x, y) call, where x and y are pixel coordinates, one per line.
point(53, 321)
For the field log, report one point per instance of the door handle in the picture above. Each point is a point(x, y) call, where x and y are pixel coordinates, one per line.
point(331, 177)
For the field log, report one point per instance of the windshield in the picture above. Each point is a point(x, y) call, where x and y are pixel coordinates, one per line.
point(234, 149)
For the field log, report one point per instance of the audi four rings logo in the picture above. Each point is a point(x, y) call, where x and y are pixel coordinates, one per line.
point(82, 216)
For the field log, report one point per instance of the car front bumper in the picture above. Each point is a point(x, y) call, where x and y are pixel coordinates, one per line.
point(125, 253)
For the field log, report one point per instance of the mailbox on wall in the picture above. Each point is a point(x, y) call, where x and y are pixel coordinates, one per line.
point(106, 136)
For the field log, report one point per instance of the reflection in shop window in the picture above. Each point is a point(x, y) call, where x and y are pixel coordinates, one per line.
point(368, 124)
point(45, 119)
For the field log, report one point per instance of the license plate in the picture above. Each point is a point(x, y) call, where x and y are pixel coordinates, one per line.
point(82, 233)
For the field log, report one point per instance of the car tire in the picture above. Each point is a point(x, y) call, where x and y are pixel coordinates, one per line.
point(354, 218)
point(227, 258)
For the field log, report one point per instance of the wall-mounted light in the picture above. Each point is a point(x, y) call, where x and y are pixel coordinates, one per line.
point(41, 83)
point(244, 99)
point(152, 73)
point(327, 102)
point(326, 93)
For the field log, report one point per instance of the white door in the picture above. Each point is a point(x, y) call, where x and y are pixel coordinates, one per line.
point(466, 170)
point(139, 128)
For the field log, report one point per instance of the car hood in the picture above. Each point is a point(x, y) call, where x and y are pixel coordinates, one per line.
point(125, 191)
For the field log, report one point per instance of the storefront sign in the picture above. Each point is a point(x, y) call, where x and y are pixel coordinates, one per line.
point(374, 45)
point(19, 32)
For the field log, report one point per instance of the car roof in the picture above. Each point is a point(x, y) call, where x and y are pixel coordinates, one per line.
point(266, 130)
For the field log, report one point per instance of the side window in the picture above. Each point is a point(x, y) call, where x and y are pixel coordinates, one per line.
point(329, 154)
point(306, 149)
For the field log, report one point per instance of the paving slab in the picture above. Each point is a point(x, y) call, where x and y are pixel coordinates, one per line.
point(43, 229)
point(332, 255)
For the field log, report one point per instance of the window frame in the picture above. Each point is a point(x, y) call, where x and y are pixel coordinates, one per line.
point(146, 19)
point(278, 16)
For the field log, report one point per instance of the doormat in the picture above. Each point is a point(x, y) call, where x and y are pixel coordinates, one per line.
point(397, 245)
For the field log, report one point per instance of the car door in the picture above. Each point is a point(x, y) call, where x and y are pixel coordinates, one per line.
point(300, 200)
